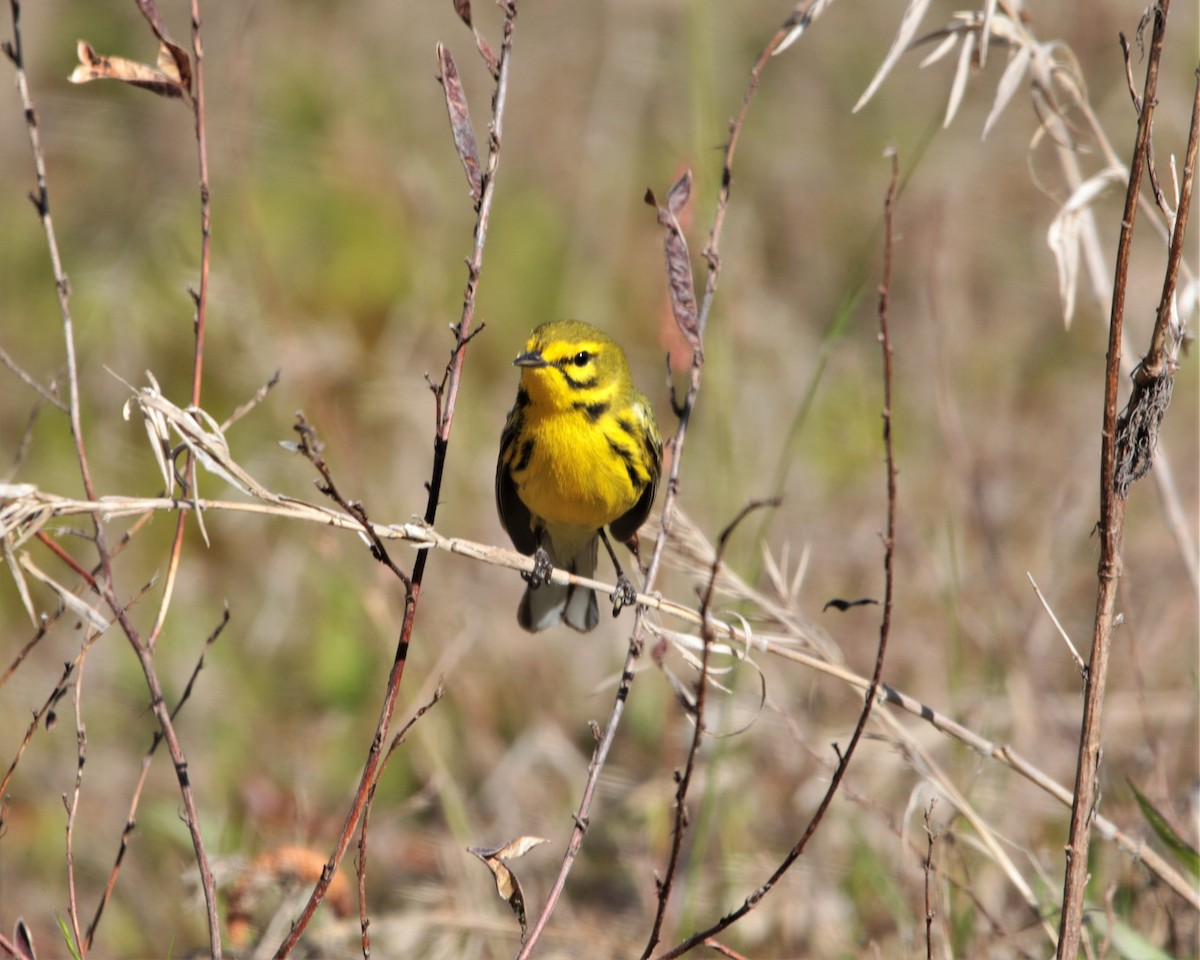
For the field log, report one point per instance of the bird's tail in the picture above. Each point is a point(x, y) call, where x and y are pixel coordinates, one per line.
point(550, 603)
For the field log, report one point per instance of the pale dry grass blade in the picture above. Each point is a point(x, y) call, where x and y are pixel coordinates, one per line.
point(962, 72)
point(84, 611)
point(913, 15)
point(1010, 82)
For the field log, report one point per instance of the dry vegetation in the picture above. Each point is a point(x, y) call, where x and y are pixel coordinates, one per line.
point(341, 218)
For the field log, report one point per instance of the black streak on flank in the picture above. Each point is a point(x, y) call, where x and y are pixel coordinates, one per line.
point(526, 454)
point(635, 480)
point(624, 424)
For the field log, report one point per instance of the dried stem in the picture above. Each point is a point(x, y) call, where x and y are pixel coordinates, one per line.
point(445, 396)
point(885, 625)
point(927, 870)
point(1111, 528)
point(636, 640)
point(399, 738)
point(135, 800)
point(142, 649)
point(698, 730)
point(72, 806)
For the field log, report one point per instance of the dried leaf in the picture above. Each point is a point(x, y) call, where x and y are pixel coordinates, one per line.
point(985, 33)
point(908, 27)
point(460, 121)
point(948, 43)
point(507, 884)
point(68, 599)
point(23, 941)
point(1010, 82)
point(92, 66)
point(1063, 240)
point(169, 50)
point(680, 284)
point(961, 73)
point(463, 9)
point(517, 847)
point(680, 193)
point(1063, 235)
point(19, 580)
point(798, 22)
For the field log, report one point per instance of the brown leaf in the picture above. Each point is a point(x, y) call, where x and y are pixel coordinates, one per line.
point(488, 54)
point(507, 884)
point(92, 66)
point(183, 64)
point(680, 284)
point(680, 193)
point(516, 847)
point(463, 9)
point(460, 121)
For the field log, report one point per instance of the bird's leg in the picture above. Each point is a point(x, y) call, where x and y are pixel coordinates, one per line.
point(625, 594)
point(542, 569)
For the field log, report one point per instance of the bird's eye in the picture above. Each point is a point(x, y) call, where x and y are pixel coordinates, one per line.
point(582, 358)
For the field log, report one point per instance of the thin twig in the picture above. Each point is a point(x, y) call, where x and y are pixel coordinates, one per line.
point(927, 870)
point(31, 382)
point(72, 806)
point(399, 738)
point(130, 818)
point(1058, 625)
point(889, 542)
point(684, 780)
point(41, 201)
point(445, 405)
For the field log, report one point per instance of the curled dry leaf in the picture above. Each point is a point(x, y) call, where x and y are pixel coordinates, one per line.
point(680, 284)
point(460, 120)
point(507, 884)
point(1063, 234)
point(169, 49)
point(165, 80)
point(463, 9)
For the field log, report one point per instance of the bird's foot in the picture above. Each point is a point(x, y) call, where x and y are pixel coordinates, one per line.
point(625, 595)
point(542, 569)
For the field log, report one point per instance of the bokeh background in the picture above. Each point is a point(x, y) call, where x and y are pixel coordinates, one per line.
point(341, 220)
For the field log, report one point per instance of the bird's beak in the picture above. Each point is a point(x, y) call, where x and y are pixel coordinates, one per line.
point(531, 359)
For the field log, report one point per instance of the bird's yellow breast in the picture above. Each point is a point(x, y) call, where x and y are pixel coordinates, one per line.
point(572, 476)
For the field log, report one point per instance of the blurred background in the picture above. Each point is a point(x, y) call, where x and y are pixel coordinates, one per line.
point(341, 220)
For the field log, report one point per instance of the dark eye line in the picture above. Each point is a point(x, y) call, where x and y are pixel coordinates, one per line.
point(580, 359)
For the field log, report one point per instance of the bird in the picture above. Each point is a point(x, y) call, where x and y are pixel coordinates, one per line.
point(579, 452)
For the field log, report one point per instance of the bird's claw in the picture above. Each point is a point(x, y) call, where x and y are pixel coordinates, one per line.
point(542, 569)
point(625, 595)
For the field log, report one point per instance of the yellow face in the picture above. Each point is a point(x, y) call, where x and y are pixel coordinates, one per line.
point(569, 362)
